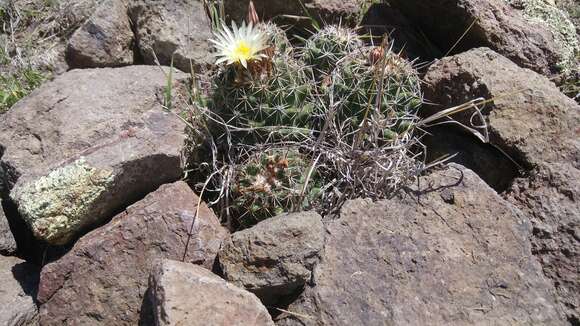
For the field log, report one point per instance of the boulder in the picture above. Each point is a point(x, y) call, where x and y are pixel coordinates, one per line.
point(88, 144)
point(185, 294)
point(452, 253)
point(274, 258)
point(7, 242)
point(547, 14)
point(347, 12)
point(18, 285)
point(529, 118)
point(102, 280)
point(105, 40)
point(383, 19)
point(537, 126)
point(496, 24)
point(176, 30)
point(572, 7)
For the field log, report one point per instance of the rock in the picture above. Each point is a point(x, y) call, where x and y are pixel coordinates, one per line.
point(103, 279)
point(547, 14)
point(173, 29)
point(495, 25)
point(348, 12)
point(18, 285)
point(487, 161)
point(572, 7)
point(529, 118)
point(105, 40)
point(274, 258)
point(88, 144)
point(535, 124)
point(185, 294)
point(7, 242)
point(454, 253)
point(382, 19)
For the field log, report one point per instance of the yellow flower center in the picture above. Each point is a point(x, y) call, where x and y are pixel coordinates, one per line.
point(243, 51)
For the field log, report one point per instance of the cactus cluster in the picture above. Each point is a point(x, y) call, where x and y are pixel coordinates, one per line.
point(270, 183)
point(289, 97)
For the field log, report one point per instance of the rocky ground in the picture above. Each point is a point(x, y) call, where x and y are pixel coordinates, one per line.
point(97, 226)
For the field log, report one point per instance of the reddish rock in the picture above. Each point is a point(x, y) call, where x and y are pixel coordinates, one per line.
point(330, 11)
point(173, 31)
point(87, 144)
point(103, 279)
point(185, 294)
point(274, 258)
point(105, 39)
point(18, 285)
point(537, 126)
point(453, 253)
point(496, 25)
point(7, 241)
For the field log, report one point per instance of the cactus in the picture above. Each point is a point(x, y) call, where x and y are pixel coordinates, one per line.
point(276, 37)
point(323, 98)
point(356, 83)
point(272, 100)
point(327, 47)
point(270, 183)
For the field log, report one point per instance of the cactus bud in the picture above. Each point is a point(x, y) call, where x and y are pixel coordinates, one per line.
point(377, 54)
point(252, 14)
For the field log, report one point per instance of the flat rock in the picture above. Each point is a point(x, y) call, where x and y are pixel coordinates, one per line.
point(18, 285)
point(88, 144)
point(537, 126)
point(274, 258)
point(103, 279)
point(496, 25)
point(453, 253)
point(104, 40)
point(185, 294)
point(7, 241)
point(176, 30)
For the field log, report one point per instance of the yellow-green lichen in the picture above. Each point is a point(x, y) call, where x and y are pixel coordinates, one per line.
point(62, 202)
point(547, 13)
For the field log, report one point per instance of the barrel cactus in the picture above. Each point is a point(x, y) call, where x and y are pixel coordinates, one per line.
point(381, 92)
point(271, 182)
point(328, 46)
point(271, 95)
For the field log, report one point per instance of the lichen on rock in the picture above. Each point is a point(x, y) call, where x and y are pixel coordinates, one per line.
point(58, 204)
point(547, 13)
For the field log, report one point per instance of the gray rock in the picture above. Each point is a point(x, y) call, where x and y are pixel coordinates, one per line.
point(453, 253)
point(88, 144)
point(496, 25)
point(103, 279)
point(185, 294)
point(572, 7)
point(347, 12)
point(537, 126)
point(105, 40)
point(178, 29)
point(7, 241)
point(18, 285)
point(276, 257)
